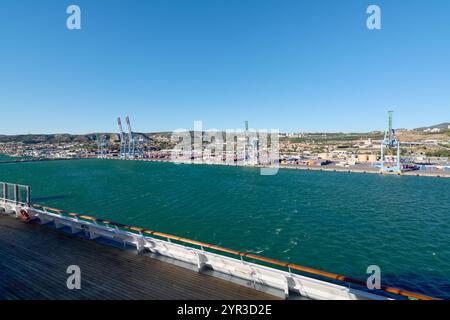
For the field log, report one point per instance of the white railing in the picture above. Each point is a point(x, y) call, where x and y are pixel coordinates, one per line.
point(286, 283)
point(262, 277)
point(12, 192)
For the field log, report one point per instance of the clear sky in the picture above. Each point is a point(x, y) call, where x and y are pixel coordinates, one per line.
point(307, 65)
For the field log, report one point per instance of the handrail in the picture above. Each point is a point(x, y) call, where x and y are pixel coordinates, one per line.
point(13, 201)
point(20, 185)
point(279, 263)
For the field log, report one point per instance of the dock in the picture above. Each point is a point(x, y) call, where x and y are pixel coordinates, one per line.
point(34, 259)
point(326, 168)
point(38, 160)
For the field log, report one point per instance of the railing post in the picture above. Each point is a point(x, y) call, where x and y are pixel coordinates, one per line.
point(28, 189)
point(5, 191)
point(286, 288)
point(16, 193)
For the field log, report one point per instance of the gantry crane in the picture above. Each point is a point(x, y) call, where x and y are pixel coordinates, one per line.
point(390, 142)
point(130, 140)
point(101, 143)
point(122, 141)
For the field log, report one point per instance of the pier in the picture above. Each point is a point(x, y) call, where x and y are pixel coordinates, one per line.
point(39, 160)
point(47, 240)
point(352, 169)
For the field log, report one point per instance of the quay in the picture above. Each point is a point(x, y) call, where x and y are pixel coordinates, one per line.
point(126, 262)
point(328, 168)
point(356, 169)
point(415, 173)
point(39, 160)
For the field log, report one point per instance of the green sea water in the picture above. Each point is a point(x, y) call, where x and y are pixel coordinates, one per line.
point(6, 158)
point(339, 222)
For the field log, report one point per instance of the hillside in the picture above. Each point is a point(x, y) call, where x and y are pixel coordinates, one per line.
point(66, 138)
point(444, 125)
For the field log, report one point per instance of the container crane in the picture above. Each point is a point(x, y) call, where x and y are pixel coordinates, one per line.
point(130, 140)
point(390, 142)
point(122, 141)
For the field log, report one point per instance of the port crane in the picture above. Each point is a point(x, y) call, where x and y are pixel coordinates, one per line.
point(101, 143)
point(130, 140)
point(251, 145)
point(390, 142)
point(130, 146)
point(122, 137)
point(247, 141)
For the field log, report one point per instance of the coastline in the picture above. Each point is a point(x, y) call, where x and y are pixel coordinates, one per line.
point(359, 170)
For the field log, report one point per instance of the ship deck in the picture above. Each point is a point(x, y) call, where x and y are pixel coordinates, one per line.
point(34, 259)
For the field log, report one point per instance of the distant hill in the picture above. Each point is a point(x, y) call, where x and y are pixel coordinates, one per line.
point(46, 138)
point(66, 138)
point(445, 125)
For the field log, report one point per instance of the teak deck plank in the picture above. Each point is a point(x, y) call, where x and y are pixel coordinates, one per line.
point(34, 259)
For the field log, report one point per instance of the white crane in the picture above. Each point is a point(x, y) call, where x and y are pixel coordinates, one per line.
point(130, 140)
point(121, 134)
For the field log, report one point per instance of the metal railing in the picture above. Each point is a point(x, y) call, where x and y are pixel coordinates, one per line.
point(20, 195)
point(274, 262)
point(14, 193)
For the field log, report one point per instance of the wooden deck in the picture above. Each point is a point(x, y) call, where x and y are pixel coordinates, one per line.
point(34, 259)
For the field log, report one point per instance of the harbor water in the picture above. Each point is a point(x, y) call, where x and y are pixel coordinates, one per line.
point(338, 222)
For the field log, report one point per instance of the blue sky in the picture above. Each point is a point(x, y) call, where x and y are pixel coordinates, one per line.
point(290, 65)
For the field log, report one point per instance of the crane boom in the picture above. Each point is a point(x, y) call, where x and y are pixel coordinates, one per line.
point(130, 137)
point(122, 142)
